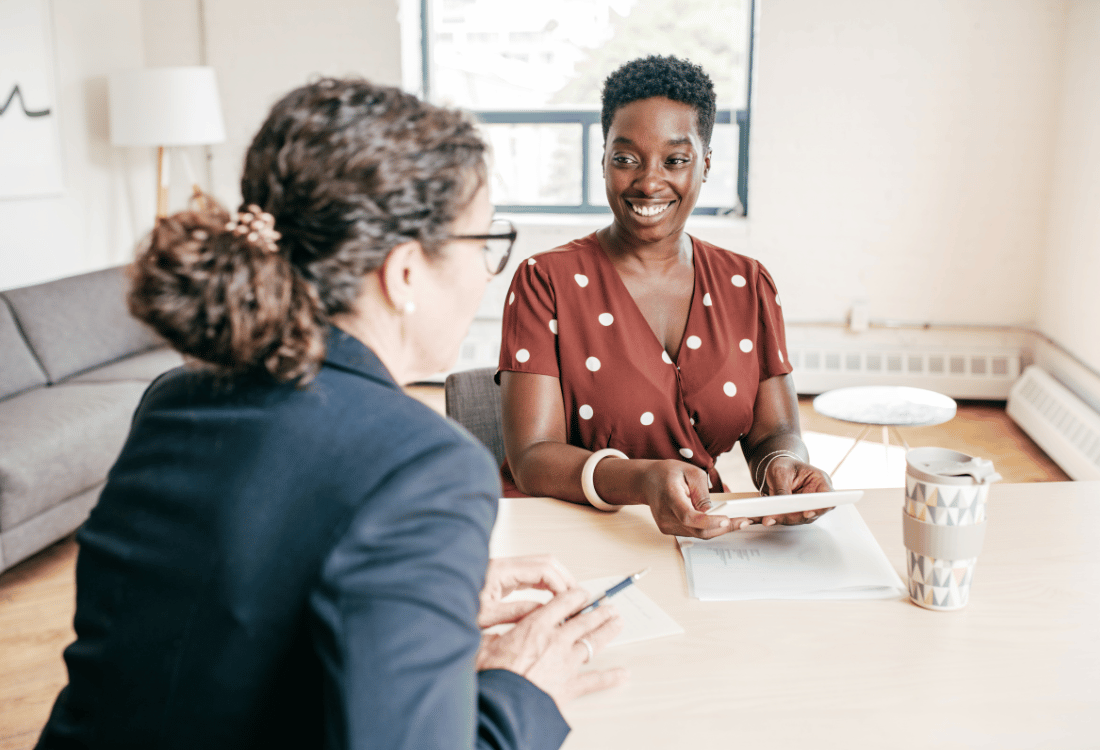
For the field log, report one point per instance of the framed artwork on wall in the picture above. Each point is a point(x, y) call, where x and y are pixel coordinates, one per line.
point(30, 145)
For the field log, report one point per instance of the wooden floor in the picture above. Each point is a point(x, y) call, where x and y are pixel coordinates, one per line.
point(37, 596)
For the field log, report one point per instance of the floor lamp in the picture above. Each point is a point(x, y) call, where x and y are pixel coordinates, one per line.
point(165, 107)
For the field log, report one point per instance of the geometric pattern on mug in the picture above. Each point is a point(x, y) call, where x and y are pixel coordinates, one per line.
point(943, 504)
point(939, 584)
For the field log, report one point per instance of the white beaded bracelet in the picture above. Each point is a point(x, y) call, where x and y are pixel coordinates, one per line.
point(766, 462)
point(588, 484)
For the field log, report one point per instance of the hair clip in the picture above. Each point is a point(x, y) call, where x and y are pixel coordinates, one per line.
point(257, 226)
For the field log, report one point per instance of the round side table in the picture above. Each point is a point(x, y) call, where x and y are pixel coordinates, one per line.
point(886, 406)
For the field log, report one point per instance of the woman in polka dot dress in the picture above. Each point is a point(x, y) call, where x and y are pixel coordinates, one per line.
point(640, 342)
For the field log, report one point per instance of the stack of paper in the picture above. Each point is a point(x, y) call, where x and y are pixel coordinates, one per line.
point(836, 557)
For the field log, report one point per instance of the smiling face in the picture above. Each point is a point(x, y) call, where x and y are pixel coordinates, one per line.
point(654, 165)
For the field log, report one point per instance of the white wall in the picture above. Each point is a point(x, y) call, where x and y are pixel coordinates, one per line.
point(1069, 308)
point(173, 35)
point(932, 158)
point(901, 153)
point(90, 224)
point(263, 48)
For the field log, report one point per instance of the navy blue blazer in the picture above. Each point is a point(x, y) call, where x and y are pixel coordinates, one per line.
point(276, 566)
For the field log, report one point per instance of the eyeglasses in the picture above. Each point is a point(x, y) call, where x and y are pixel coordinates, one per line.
point(498, 244)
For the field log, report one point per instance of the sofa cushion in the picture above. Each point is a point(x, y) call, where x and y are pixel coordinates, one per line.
point(143, 367)
point(18, 369)
point(59, 441)
point(46, 528)
point(79, 322)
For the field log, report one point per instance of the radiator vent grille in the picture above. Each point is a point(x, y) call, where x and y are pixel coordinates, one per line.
point(986, 374)
point(1063, 425)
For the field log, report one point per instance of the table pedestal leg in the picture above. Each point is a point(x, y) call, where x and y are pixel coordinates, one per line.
point(859, 438)
point(897, 434)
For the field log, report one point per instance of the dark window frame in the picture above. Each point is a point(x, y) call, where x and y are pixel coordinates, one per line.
point(586, 118)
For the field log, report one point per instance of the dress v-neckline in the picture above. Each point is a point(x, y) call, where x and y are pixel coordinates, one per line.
point(638, 311)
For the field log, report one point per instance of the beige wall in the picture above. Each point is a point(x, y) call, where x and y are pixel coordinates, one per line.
point(1070, 298)
point(89, 225)
point(263, 48)
point(934, 159)
point(901, 154)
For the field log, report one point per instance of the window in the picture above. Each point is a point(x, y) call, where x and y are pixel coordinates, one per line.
point(533, 70)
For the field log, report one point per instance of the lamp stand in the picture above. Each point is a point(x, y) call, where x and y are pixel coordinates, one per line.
point(162, 183)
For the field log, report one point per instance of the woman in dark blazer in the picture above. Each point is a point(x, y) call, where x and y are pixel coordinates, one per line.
point(290, 552)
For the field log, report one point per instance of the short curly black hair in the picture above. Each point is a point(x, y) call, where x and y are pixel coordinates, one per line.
point(670, 77)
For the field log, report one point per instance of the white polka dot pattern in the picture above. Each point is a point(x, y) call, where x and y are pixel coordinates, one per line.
point(712, 373)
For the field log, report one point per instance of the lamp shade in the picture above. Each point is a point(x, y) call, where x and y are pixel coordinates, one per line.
point(165, 107)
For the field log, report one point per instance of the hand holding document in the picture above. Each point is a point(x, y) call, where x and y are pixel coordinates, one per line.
point(835, 558)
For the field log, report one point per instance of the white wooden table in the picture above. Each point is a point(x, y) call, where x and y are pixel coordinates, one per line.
point(1019, 667)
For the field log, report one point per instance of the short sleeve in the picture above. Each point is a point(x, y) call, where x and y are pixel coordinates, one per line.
point(772, 336)
point(529, 331)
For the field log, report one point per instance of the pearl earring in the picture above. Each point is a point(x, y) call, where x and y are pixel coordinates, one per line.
point(410, 307)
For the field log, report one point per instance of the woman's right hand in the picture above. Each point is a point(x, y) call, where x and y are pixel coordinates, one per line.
point(678, 495)
point(547, 649)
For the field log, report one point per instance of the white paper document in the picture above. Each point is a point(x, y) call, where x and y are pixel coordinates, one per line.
point(642, 618)
point(836, 557)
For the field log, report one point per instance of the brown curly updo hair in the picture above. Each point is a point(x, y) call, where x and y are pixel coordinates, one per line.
point(348, 170)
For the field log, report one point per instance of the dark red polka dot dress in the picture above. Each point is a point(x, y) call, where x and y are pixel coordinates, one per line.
point(568, 314)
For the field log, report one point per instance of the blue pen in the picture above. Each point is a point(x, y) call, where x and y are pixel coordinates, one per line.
point(610, 592)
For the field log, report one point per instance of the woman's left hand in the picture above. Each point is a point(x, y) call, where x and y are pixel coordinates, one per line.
point(787, 475)
point(507, 574)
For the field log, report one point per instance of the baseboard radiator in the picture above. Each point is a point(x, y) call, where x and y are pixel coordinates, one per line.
point(1058, 421)
point(985, 374)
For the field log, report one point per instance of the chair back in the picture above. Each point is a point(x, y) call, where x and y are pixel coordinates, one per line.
point(472, 399)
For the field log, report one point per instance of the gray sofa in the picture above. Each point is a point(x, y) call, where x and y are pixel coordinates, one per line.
point(73, 365)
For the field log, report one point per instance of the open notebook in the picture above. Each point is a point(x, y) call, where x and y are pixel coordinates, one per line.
point(836, 557)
